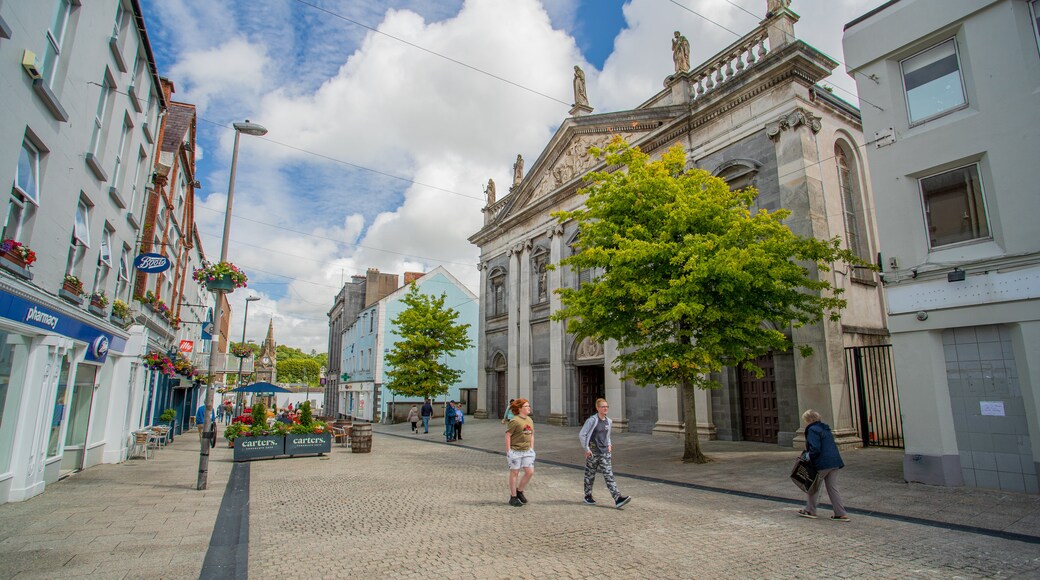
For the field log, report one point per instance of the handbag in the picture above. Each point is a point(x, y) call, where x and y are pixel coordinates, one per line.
point(804, 475)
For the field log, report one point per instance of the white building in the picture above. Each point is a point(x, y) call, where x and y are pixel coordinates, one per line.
point(951, 93)
point(82, 104)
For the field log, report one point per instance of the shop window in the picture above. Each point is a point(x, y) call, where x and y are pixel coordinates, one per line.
point(954, 206)
point(80, 399)
point(932, 82)
point(58, 415)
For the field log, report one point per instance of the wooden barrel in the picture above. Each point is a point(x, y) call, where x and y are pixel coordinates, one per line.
point(361, 438)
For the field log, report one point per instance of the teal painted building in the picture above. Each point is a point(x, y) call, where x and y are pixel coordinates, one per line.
point(372, 335)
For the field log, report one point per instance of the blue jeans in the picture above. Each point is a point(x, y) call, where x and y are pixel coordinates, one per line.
point(425, 423)
point(449, 429)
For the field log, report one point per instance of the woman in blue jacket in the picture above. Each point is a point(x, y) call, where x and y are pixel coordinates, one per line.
point(824, 456)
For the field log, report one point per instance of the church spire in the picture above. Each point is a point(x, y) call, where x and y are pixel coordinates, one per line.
point(270, 335)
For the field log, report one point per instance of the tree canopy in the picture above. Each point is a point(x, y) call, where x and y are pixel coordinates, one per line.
point(686, 277)
point(429, 334)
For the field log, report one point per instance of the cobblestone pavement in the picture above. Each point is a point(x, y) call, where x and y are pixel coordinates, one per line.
point(415, 509)
point(138, 519)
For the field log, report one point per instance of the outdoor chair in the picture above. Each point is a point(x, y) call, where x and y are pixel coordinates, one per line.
point(139, 444)
point(162, 435)
point(154, 441)
point(340, 435)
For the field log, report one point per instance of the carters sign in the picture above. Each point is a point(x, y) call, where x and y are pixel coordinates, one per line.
point(310, 443)
point(247, 448)
point(152, 263)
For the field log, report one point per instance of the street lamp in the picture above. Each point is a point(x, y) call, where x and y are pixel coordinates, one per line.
point(245, 316)
point(249, 129)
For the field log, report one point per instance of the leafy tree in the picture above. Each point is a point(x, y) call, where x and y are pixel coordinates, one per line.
point(298, 370)
point(428, 333)
point(688, 279)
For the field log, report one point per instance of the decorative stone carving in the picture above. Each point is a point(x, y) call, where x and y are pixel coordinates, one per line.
point(489, 192)
point(580, 98)
point(543, 277)
point(589, 349)
point(772, 6)
point(556, 230)
point(518, 170)
point(792, 120)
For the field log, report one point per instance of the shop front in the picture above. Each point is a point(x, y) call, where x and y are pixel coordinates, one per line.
point(361, 401)
point(57, 373)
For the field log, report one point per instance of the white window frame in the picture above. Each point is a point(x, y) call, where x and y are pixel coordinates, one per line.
point(142, 159)
point(33, 154)
point(117, 169)
point(1034, 12)
point(105, 253)
point(99, 115)
point(927, 217)
point(124, 265)
point(81, 225)
point(960, 76)
point(55, 39)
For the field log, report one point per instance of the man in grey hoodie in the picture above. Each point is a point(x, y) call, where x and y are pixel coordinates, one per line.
point(595, 439)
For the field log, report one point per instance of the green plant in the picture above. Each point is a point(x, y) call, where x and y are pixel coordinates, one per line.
point(168, 415)
point(306, 418)
point(259, 413)
point(121, 309)
point(235, 430)
point(19, 249)
point(99, 298)
point(210, 272)
point(73, 283)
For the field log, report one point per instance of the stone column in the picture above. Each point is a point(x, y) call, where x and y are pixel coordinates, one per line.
point(512, 370)
point(668, 411)
point(524, 345)
point(556, 330)
point(482, 362)
point(614, 388)
point(820, 378)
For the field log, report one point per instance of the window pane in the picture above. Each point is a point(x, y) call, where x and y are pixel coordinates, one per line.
point(124, 265)
point(954, 206)
point(932, 81)
point(28, 167)
point(81, 231)
point(58, 418)
point(106, 247)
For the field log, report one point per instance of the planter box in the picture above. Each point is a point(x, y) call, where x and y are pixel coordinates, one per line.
point(221, 284)
point(249, 448)
point(96, 309)
point(120, 322)
point(310, 443)
point(15, 265)
point(68, 295)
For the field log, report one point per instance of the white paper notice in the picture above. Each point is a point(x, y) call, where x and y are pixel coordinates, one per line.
point(992, 408)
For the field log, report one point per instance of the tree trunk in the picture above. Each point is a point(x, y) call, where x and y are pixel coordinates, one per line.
point(692, 444)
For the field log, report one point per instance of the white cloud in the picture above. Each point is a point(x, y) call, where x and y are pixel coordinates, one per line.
point(303, 224)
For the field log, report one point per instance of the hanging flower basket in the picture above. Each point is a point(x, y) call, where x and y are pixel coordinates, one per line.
point(241, 350)
point(220, 277)
point(158, 361)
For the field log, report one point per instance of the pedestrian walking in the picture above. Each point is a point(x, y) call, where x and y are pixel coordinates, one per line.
point(595, 440)
point(825, 459)
point(427, 412)
point(459, 420)
point(449, 422)
point(413, 418)
point(509, 412)
point(520, 450)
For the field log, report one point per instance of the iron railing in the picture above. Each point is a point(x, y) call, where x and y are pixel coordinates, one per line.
point(873, 395)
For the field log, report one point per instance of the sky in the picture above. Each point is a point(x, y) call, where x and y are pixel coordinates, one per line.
point(386, 118)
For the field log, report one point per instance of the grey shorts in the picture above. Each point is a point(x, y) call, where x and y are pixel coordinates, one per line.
point(520, 459)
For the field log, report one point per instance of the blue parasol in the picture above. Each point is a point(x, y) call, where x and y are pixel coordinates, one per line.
point(261, 388)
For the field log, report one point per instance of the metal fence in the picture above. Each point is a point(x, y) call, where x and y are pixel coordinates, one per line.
point(874, 397)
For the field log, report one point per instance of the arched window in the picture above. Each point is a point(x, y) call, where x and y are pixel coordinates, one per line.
point(852, 209)
point(497, 291)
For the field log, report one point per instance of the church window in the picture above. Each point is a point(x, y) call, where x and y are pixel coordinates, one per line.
point(852, 209)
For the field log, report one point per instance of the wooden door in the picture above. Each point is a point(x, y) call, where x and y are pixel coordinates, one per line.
point(590, 388)
point(503, 398)
point(761, 421)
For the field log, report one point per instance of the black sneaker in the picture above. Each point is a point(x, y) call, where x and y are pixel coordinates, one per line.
point(515, 502)
point(622, 500)
point(589, 500)
point(520, 496)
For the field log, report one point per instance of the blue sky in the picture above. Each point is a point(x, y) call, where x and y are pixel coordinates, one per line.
point(378, 149)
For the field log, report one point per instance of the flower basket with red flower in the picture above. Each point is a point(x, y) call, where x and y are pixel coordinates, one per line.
point(220, 277)
point(18, 253)
point(158, 361)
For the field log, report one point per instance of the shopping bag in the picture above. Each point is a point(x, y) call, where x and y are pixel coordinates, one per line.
point(804, 475)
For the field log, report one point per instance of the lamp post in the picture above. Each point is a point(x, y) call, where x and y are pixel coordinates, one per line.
point(249, 129)
point(245, 316)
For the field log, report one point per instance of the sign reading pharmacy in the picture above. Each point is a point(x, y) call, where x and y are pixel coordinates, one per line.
point(27, 312)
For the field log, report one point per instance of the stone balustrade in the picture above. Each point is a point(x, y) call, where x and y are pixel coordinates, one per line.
point(728, 63)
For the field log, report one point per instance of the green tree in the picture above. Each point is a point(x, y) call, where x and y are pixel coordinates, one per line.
point(428, 334)
point(686, 278)
point(298, 370)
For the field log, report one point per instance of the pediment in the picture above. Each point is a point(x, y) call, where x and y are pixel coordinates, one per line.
point(566, 158)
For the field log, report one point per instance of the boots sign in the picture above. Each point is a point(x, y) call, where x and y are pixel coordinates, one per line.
point(152, 263)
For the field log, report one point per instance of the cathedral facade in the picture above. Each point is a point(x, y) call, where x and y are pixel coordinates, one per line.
point(752, 115)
